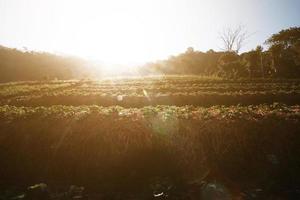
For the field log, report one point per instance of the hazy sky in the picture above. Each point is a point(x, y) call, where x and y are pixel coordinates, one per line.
point(129, 31)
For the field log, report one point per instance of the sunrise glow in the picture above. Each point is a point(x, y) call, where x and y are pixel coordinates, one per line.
point(129, 32)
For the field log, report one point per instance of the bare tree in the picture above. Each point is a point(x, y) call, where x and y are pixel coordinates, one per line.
point(234, 39)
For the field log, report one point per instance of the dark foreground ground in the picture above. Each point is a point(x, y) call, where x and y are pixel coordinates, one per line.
point(162, 152)
point(159, 190)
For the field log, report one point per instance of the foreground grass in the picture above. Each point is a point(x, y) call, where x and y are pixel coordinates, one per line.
point(116, 149)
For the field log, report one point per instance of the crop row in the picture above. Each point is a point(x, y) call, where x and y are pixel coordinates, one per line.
point(150, 91)
point(144, 99)
point(148, 83)
point(185, 112)
point(123, 149)
point(72, 90)
point(165, 112)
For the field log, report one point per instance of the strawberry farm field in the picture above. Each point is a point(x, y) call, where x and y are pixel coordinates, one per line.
point(140, 92)
point(173, 137)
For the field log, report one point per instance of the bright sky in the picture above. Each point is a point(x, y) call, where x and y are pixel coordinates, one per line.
point(134, 31)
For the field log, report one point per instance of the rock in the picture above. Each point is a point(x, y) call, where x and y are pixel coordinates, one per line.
point(212, 191)
point(37, 192)
point(76, 192)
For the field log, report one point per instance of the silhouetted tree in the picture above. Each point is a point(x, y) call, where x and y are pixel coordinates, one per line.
point(231, 66)
point(16, 65)
point(254, 62)
point(284, 48)
point(233, 39)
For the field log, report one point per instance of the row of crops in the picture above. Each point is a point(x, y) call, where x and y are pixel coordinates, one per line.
point(138, 92)
point(276, 110)
point(120, 135)
point(163, 84)
point(122, 149)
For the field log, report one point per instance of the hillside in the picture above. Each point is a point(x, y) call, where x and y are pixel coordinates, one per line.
point(173, 137)
point(16, 65)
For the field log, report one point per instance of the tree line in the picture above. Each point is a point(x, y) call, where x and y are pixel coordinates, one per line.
point(281, 58)
point(17, 65)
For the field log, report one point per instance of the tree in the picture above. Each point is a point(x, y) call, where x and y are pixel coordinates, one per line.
point(190, 50)
point(231, 66)
point(288, 38)
point(234, 39)
point(259, 49)
point(285, 50)
point(254, 62)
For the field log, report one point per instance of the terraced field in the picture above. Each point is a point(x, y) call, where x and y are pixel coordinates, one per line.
point(140, 92)
point(174, 137)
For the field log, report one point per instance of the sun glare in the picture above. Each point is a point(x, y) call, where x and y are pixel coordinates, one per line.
point(116, 36)
point(116, 32)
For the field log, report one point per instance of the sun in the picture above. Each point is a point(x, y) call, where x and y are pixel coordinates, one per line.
point(116, 45)
point(114, 31)
point(117, 36)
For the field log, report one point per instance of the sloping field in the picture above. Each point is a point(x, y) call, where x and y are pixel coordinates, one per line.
point(171, 138)
point(139, 92)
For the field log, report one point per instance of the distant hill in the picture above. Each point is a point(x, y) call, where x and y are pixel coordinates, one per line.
point(17, 65)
